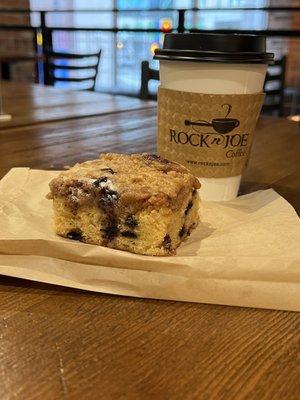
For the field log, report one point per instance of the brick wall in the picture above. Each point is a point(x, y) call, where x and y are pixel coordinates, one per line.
point(17, 41)
point(290, 47)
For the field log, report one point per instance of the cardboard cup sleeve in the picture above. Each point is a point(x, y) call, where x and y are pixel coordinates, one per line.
point(210, 134)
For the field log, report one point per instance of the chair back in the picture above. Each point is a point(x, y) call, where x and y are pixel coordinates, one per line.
point(147, 74)
point(274, 88)
point(60, 67)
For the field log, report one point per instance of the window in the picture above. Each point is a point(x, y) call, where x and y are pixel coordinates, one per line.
point(123, 51)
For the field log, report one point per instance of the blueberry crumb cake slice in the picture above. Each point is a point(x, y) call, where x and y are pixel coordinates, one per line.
point(141, 203)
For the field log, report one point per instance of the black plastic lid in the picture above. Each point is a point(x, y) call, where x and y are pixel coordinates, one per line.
point(215, 47)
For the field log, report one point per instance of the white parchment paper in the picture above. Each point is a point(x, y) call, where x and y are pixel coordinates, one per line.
point(245, 252)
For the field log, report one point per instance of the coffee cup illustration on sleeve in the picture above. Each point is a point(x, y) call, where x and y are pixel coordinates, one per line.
point(209, 100)
point(220, 125)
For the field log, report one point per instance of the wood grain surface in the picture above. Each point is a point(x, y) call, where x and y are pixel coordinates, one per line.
point(34, 104)
point(59, 343)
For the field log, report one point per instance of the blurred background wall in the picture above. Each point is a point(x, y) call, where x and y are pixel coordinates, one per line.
point(17, 41)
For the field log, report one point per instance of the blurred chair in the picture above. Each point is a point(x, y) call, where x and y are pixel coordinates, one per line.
point(147, 74)
point(74, 65)
point(274, 88)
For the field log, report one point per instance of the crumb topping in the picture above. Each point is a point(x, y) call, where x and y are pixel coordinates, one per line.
point(145, 179)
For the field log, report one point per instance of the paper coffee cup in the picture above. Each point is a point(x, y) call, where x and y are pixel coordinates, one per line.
point(203, 77)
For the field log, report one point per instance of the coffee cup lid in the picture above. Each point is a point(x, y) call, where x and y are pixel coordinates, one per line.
point(215, 47)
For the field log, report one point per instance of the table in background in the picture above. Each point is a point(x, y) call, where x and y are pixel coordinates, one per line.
point(63, 343)
point(33, 104)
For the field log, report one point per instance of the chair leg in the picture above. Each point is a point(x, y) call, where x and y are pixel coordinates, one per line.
point(5, 71)
point(144, 92)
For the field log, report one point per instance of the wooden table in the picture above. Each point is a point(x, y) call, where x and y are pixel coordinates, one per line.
point(34, 104)
point(58, 343)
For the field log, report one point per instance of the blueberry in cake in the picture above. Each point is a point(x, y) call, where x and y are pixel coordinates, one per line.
point(141, 203)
